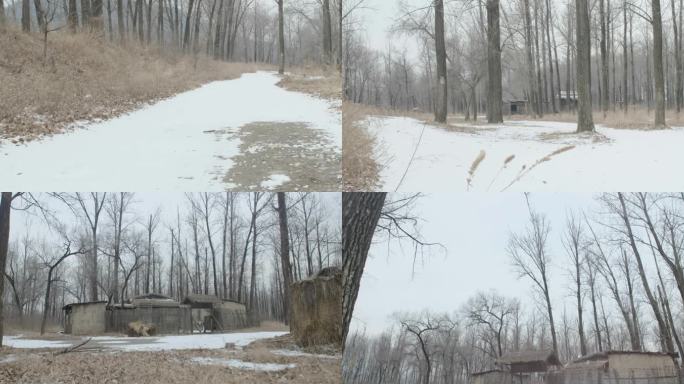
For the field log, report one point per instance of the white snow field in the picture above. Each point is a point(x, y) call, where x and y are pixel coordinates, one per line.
point(541, 155)
point(184, 143)
point(161, 343)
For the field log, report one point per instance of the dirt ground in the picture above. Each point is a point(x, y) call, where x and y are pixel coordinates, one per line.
point(304, 154)
point(101, 366)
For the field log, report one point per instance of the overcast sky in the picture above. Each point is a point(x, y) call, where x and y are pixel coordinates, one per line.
point(475, 229)
point(376, 20)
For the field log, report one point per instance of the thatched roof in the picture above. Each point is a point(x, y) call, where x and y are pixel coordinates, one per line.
point(527, 357)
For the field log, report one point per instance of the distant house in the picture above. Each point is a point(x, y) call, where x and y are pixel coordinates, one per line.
point(492, 376)
point(568, 100)
point(617, 365)
point(211, 313)
point(528, 367)
point(85, 318)
point(168, 316)
point(514, 107)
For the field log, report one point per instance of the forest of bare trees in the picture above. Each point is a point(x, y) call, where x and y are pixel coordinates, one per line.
point(559, 57)
point(78, 247)
point(623, 278)
point(296, 32)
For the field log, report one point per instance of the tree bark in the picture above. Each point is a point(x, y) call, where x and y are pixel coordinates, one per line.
point(658, 65)
point(360, 216)
point(26, 15)
point(494, 86)
point(284, 254)
point(5, 209)
point(585, 120)
point(281, 37)
point(327, 31)
point(440, 52)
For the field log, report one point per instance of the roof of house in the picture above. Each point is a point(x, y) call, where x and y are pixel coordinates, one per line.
point(604, 355)
point(486, 372)
point(83, 303)
point(203, 299)
point(525, 357)
point(152, 295)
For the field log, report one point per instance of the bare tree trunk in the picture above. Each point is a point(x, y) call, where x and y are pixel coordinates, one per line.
point(284, 254)
point(5, 209)
point(327, 32)
point(26, 15)
point(604, 58)
point(360, 215)
point(188, 19)
point(440, 52)
point(494, 87)
point(658, 64)
point(281, 37)
point(585, 120)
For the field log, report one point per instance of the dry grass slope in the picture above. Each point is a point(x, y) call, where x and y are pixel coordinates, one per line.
point(86, 77)
point(360, 167)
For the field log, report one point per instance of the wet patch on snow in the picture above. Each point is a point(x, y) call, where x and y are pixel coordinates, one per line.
point(239, 364)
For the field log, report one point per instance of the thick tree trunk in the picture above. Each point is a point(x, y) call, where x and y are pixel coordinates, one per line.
point(658, 72)
point(5, 209)
point(604, 58)
point(284, 254)
point(188, 19)
point(585, 120)
point(72, 16)
point(360, 215)
point(494, 87)
point(26, 15)
point(327, 31)
point(533, 96)
point(120, 19)
point(281, 37)
point(440, 52)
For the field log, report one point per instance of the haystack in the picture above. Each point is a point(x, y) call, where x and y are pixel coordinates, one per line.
point(140, 329)
point(316, 309)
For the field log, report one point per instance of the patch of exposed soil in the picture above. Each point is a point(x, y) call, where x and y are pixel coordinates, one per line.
point(283, 157)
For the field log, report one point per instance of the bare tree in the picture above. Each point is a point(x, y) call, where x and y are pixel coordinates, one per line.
point(529, 254)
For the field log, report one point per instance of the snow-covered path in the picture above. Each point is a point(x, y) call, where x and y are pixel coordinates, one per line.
point(188, 142)
point(625, 160)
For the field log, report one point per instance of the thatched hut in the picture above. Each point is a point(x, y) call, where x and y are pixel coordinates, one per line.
point(316, 308)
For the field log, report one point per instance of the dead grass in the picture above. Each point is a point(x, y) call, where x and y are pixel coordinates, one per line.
point(87, 78)
point(360, 167)
point(635, 118)
point(31, 366)
point(324, 82)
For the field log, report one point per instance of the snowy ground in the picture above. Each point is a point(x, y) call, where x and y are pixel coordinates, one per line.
point(161, 343)
point(525, 156)
point(198, 140)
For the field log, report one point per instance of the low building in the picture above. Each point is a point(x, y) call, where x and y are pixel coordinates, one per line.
point(529, 367)
point(514, 107)
point(165, 314)
point(624, 365)
point(85, 318)
point(316, 308)
point(492, 376)
point(211, 313)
